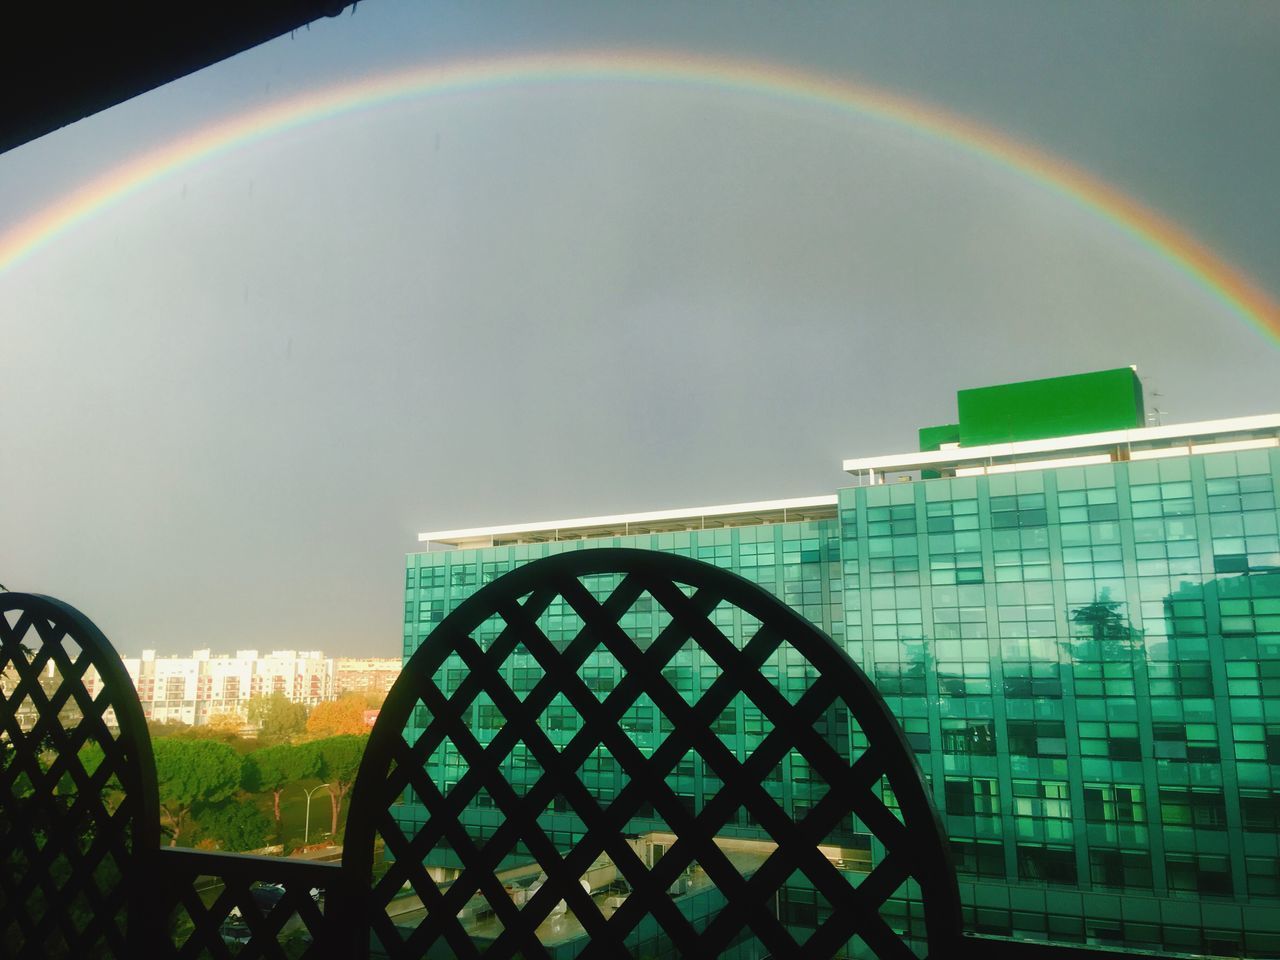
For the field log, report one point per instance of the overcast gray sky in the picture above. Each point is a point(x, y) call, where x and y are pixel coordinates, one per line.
point(229, 403)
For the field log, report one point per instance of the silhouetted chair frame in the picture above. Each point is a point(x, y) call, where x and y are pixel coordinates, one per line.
point(79, 832)
point(54, 847)
point(914, 847)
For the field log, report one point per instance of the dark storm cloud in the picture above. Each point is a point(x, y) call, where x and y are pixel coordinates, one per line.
point(233, 401)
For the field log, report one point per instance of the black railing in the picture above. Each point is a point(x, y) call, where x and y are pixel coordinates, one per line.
point(279, 906)
point(474, 869)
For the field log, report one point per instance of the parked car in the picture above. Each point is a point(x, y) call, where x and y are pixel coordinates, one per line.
point(266, 896)
point(234, 929)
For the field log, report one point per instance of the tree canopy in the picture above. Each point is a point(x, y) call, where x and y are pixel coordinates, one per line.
point(277, 716)
point(226, 722)
point(336, 717)
point(193, 773)
point(339, 760)
point(275, 768)
point(236, 826)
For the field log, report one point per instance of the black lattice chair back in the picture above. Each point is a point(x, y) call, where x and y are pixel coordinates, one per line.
point(623, 753)
point(78, 806)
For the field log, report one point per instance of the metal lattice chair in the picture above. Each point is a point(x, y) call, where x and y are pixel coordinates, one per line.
point(83, 874)
point(78, 807)
point(516, 829)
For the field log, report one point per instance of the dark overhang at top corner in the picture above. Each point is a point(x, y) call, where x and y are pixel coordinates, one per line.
point(61, 62)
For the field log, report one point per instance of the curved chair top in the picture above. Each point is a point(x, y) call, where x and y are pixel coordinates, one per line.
point(78, 800)
point(820, 708)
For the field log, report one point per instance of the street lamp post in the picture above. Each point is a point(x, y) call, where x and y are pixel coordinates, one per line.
point(306, 832)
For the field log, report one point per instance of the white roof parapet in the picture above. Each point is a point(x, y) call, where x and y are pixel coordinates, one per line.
point(600, 526)
point(962, 456)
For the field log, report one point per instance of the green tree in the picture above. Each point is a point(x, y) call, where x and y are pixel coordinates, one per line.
point(167, 728)
point(277, 717)
point(339, 760)
point(192, 774)
point(92, 757)
point(226, 723)
point(236, 826)
point(274, 768)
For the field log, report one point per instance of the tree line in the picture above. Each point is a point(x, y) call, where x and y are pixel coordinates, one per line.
point(204, 781)
point(209, 774)
point(276, 717)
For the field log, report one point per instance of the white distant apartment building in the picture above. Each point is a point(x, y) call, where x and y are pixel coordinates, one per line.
point(193, 689)
point(370, 675)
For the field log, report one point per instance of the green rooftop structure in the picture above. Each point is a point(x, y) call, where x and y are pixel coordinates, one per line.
point(1056, 407)
point(1041, 409)
point(1074, 615)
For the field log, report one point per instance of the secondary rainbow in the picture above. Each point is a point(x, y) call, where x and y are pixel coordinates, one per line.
point(1223, 281)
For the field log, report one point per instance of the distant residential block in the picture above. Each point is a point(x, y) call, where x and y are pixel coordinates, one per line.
point(193, 689)
point(372, 675)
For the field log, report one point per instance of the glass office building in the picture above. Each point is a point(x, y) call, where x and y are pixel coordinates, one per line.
point(1076, 618)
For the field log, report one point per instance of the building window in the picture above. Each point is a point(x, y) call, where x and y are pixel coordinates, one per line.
point(1263, 877)
point(1032, 681)
point(559, 717)
point(1200, 807)
point(1037, 738)
point(1114, 741)
point(1120, 869)
point(900, 679)
point(978, 858)
point(975, 738)
point(1044, 806)
point(964, 679)
point(1199, 874)
point(917, 731)
point(1119, 803)
point(1047, 863)
point(972, 796)
point(1025, 510)
point(1260, 810)
point(524, 679)
point(1193, 742)
point(1180, 680)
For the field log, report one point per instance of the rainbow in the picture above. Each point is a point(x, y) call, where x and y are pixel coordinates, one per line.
point(1220, 279)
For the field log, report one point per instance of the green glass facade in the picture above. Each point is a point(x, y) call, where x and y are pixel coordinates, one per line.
point(1085, 659)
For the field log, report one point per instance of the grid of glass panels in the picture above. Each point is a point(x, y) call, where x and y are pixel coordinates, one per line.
point(1087, 663)
point(1085, 660)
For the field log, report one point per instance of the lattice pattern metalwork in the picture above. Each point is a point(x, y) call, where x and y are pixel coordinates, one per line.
point(77, 798)
point(741, 871)
point(236, 905)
